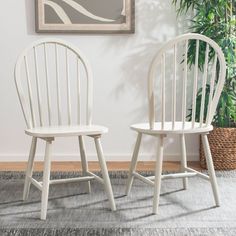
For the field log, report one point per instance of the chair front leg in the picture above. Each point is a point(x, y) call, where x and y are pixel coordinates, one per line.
point(133, 164)
point(29, 169)
point(104, 170)
point(46, 179)
point(211, 169)
point(158, 173)
point(183, 159)
point(84, 162)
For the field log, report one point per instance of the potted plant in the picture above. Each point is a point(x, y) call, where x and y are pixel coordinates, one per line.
point(217, 20)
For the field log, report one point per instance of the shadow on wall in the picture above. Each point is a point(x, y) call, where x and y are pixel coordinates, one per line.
point(156, 23)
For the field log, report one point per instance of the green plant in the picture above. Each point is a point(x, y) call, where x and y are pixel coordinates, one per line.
point(217, 20)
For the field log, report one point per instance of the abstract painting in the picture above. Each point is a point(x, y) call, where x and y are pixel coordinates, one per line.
point(85, 16)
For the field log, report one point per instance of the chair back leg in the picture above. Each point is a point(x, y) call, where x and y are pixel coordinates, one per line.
point(211, 169)
point(133, 164)
point(158, 173)
point(183, 159)
point(29, 170)
point(84, 163)
point(46, 179)
point(104, 170)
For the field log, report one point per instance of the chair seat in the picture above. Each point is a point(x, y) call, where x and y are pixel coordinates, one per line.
point(178, 129)
point(64, 131)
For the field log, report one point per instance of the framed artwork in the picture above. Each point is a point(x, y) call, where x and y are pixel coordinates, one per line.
point(85, 16)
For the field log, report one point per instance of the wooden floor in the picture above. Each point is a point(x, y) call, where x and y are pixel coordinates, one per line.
point(93, 166)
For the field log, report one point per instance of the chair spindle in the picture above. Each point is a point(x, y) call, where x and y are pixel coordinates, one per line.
point(163, 75)
point(48, 86)
point(68, 88)
point(78, 92)
point(174, 88)
point(184, 84)
point(195, 84)
point(204, 86)
point(212, 84)
point(38, 87)
point(58, 86)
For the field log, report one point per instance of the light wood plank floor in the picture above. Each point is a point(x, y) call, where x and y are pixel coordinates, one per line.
point(94, 166)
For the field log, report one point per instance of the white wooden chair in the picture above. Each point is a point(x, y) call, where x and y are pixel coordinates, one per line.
point(49, 76)
point(172, 119)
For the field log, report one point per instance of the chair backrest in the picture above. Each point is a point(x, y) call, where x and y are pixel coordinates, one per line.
point(49, 77)
point(179, 83)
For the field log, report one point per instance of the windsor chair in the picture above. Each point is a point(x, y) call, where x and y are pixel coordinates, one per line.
point(49, 77)
point(184, 85)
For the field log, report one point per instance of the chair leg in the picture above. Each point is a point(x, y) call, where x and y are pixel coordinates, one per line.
point(211, 170)
point(104, 170)
point(158, 173)
point(84, 162)
point(29, 170)
point(133, 164)
point(46, 179)
point(183, 159)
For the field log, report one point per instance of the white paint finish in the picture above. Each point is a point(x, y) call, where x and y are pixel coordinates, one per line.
point(28, 123)
point(68, 87)
point(47, 85)
point(158, 173)
point(173, 92)
point(204, 81)
point(157, 128)
point(183, 158)
point(46, 179)
point(49, 133)
point(66, 131)
point(153, 80)
point(29, 170)
point(195, 88)
point(105, 176)
point(78, 93)
point(84, 161)
point(99, 179)
point(211, 170)
point(22, 92)
point(142, 178)
point(178, 175)
point(133, 163)
point(71, 180)
point(36, 184)
point(206, 177)
point(58, 86)
point(122, 89)
point(184, 84)
point(163, 87)
point(37, 85)
point(212, 84)
point(160, 129)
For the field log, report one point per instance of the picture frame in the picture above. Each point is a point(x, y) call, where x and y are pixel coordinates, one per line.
point(89, 17)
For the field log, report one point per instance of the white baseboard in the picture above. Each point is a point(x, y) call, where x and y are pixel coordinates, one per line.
point(93, 157)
